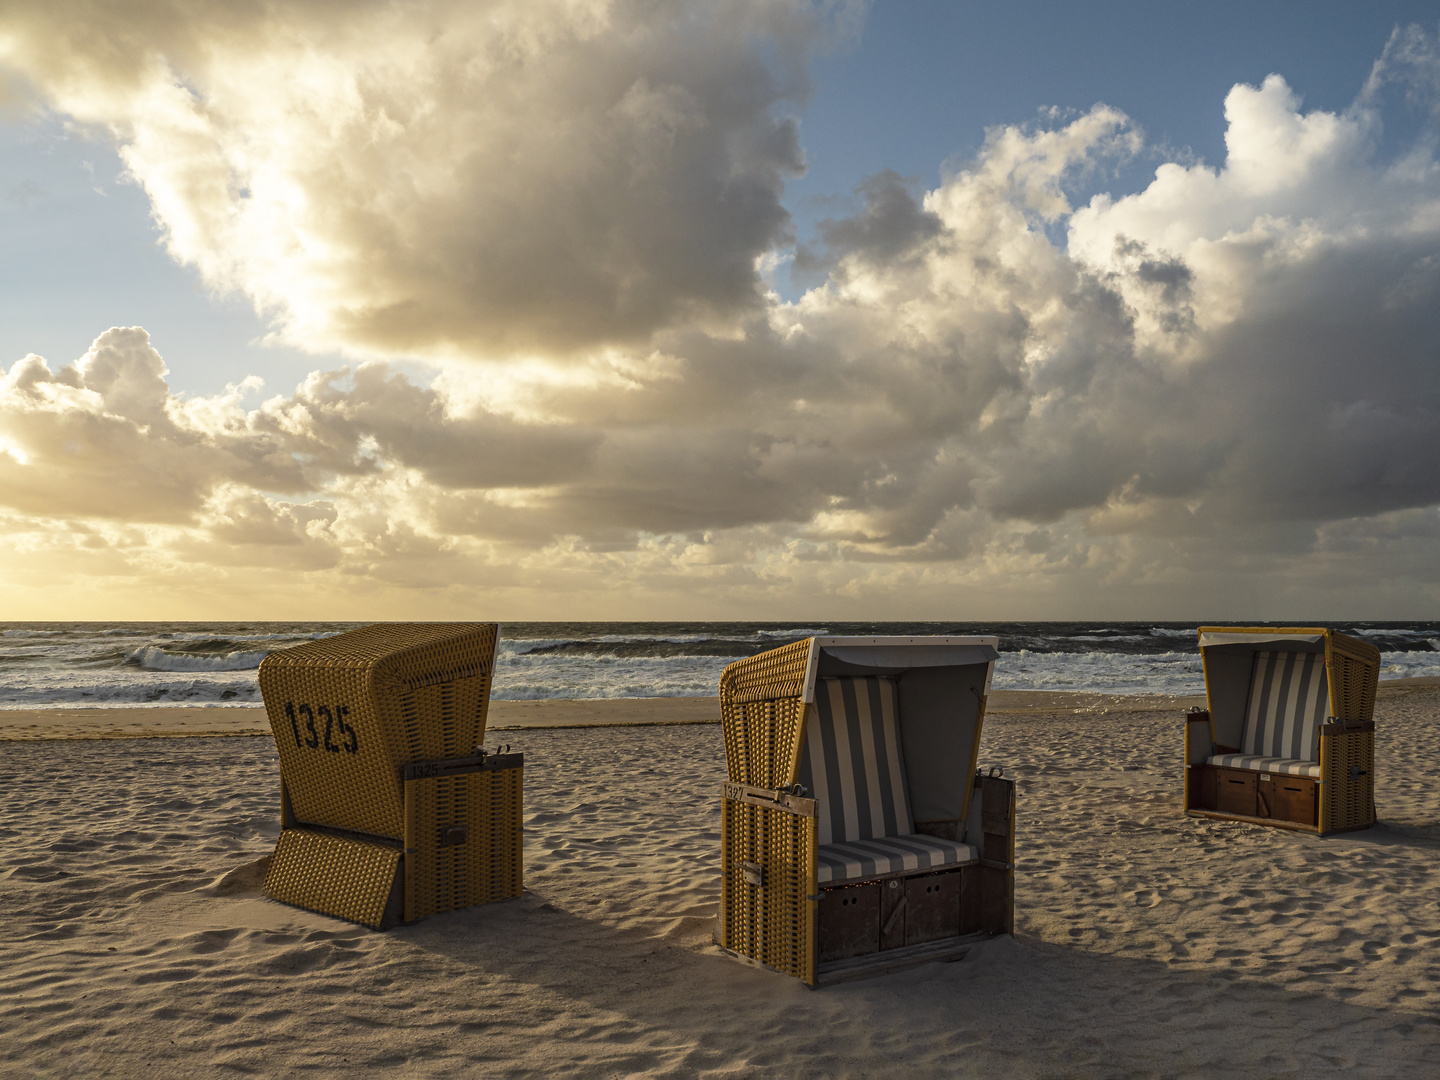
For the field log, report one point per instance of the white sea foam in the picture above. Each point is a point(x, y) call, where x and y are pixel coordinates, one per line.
point(154, 658)
point(193, 664)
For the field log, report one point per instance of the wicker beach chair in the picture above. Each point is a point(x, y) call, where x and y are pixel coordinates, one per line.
point(856, 834)
point(390, 809)
point(1288, 738)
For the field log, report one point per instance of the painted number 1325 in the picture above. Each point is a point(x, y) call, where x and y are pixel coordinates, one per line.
point(304, 717)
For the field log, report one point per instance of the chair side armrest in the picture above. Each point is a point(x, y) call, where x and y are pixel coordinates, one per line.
point(1199, 741)
point(775, 800)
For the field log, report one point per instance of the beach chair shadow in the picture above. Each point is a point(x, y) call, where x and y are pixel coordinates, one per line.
point(856, 834)
point(1288, 738)
point(390, 809)
point(1008, 1007)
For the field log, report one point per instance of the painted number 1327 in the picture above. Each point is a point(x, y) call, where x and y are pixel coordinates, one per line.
point(303, 716)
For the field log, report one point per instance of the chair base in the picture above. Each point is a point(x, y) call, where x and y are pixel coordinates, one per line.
point(1275, 823)
point(1294, 803)
point(860, 919)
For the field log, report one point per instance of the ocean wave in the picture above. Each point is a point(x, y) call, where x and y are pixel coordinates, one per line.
point(154, 658)
point(288, 635)
point(651, 648)
point(151, 689)
point(197, 664)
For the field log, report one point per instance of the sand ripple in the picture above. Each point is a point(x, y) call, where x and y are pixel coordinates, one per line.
point(136, 941)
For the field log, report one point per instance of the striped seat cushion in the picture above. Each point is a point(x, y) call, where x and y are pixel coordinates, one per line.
point(1289, 700)
point(861, 859)
point(851, 761)
point(1283, 766)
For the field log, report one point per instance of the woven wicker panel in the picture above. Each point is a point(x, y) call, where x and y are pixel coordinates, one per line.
point(349, 879)
point(772, 923)
point(1354, 677)
point(1346, 801)
point(487, 866)
point(348, 711)
point(442, 720)
point(762, 741)
point(777, 673)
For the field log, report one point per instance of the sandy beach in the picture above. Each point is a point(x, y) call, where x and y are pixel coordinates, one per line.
point(137, 941)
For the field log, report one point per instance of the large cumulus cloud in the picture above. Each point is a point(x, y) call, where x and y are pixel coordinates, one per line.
point(1006, 393)
point(436, 176)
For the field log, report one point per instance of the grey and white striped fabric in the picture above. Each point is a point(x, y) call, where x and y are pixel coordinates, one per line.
point(1289, 700)
point(852, 762)
point(1283, 766)
point(863, 859)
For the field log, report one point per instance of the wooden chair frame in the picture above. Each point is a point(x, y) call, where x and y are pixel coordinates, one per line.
point(773, 910)
point(1342, 797)
point(390, 809)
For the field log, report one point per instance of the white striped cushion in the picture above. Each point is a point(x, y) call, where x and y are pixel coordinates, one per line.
point(851, 761)
point(863, 859)
point(1283, 766)
point(1289, 700)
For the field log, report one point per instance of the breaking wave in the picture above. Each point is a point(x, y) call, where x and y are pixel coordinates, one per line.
point(129, 664)
point(155, 658)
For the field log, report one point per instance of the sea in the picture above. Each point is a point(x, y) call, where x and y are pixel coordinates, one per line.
point(114, 665)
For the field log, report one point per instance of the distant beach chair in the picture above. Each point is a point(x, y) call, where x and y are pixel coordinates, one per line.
point(390, 809)
point(1288, 738)
point(856, 834)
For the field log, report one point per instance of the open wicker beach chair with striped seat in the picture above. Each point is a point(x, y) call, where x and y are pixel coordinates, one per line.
point(856, 834)
point(1288, 738)
point(390, 809)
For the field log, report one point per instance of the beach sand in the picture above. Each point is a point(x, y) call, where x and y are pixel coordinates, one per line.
point(175, 721)
point(136, 941)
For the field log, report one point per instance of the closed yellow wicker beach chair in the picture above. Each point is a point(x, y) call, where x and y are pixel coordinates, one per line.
point(390, 810)
point(856, 834)
point(1288, 738)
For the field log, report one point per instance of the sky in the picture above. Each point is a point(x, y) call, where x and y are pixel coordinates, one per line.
point(760, 309)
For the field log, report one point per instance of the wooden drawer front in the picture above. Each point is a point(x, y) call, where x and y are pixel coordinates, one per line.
point(932, 907)
point(892, 913)
point(849, 921)
point(1235, 791)
point(1288, 798)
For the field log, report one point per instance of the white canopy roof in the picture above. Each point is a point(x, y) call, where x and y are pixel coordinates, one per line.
point(902, 652)
point(1206, 640)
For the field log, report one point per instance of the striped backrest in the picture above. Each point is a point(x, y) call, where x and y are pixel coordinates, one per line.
point(1289, 700)
point(851, 760)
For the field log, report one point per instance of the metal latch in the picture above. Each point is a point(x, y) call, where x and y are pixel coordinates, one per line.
point(753, 873)
point(452, 836)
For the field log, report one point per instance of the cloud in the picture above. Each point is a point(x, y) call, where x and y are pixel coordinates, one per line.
point(104, 438)
point(1011, 394)
point(438, 177)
